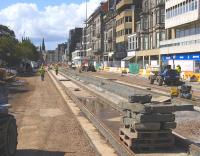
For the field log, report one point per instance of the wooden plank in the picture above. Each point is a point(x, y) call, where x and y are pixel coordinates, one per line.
point(145, 134)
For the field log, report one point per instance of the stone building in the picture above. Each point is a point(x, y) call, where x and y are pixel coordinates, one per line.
point(151, 29)
point(75, 36)
point(127, 15)
point(110, 32)
point(94, 36)
point(50, 56)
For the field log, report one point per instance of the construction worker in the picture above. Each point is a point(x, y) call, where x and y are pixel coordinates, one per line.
point(56, 69)
point(178, 69)
point(42, 72)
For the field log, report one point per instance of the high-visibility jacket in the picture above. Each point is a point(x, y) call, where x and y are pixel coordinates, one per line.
point(178, 68)
point(56, 68)
point(42, 71)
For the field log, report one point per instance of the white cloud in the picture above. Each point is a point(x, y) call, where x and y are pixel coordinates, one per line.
point(53, 22)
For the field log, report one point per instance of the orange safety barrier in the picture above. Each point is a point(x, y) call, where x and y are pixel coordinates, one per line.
point(188, 75)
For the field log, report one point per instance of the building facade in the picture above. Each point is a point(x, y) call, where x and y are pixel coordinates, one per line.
point(75, 36)
point(110, 32)
point(182, 46)
point(94, 36)
point(151, 29)
point(50, 57)
point(127, 15)
point(78, 57)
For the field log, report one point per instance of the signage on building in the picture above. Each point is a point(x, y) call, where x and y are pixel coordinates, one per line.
point(188, 56)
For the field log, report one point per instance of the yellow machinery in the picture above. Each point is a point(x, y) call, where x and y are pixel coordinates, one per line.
point(174, 92)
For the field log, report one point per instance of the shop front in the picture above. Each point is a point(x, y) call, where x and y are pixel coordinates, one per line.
point(189, 62)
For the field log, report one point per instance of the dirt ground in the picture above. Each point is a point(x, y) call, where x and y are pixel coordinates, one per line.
point(46, 126)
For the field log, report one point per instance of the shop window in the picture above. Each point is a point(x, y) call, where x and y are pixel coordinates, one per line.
point(197, 66)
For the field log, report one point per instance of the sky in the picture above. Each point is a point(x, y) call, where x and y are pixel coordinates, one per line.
point(51, 19)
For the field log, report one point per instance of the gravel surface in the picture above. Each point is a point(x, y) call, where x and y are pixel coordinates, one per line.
point(136, 79)
point(46, 126)
point(188, 123)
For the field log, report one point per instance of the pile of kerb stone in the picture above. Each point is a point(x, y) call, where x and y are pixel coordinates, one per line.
point(148, 125)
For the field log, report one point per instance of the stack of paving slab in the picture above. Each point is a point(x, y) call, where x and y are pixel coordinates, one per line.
point(147, 125)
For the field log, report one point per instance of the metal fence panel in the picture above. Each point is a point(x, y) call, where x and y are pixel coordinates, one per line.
point(134, 68)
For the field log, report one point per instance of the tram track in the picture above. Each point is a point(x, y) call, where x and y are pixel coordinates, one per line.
point(151, 89)
point(107, 133)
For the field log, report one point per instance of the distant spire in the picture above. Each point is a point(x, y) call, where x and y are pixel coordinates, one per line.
point(43, 45)
point(40, 48)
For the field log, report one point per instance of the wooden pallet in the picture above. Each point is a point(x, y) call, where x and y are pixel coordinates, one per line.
point(145, 134)
point(131, 141)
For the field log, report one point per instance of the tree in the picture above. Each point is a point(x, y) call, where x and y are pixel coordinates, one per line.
point(5, 31)
point(7, 49)
point(12, 52)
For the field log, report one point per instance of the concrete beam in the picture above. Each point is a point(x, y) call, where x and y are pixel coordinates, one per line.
point(155, 118)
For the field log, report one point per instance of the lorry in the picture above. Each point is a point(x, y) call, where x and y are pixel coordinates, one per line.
point(8, 127)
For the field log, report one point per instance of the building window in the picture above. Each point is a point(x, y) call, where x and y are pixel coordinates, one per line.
point(157, 17)
point(195, 5)
point(132, 43)
point(146, 42)
point(162, 15)
point(162, 35)
point(128, 19)
point(138, 26)
point(145, 22)
point(146, 4)
point(128, 31)
point(186, 6)
point(151, 42)
point(157, 39)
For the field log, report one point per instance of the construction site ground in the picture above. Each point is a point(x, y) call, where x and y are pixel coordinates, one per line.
point(142, 81)
point(46, 126)
point(188, 121)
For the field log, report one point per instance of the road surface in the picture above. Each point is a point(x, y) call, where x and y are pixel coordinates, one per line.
point(46, 125)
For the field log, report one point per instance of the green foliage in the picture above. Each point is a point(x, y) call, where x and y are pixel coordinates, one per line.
point(12, 52)
point(5, 31)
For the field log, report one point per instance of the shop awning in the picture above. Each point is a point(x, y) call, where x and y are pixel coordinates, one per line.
point(128, 58)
